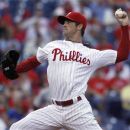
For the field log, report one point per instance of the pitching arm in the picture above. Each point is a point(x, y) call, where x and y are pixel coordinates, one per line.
point(123, 50)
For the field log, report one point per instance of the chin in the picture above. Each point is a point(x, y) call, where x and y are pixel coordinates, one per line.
point(65, 34)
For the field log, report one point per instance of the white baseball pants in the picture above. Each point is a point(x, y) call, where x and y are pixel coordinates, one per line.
point(78, 116)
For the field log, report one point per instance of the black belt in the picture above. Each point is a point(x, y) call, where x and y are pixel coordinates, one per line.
point(66, 103)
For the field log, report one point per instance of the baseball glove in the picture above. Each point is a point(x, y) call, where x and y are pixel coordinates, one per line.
point(9, 63)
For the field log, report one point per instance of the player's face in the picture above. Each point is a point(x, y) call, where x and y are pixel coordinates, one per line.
point(69, 28)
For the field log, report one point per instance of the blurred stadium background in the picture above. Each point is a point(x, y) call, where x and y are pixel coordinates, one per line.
point(27, 24)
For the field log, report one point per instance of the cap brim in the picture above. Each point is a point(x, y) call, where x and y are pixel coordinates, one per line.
point(62, 19)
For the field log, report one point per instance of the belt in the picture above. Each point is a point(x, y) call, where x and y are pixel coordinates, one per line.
point(67, 102)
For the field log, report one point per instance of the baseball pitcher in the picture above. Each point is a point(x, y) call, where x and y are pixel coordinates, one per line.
point(70, 65)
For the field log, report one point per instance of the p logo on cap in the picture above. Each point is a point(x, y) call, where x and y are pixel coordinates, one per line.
point(73, 16)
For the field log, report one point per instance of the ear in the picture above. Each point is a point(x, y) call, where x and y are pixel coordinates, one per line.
point(80, 26)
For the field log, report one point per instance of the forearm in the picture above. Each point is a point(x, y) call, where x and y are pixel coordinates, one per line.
point(123, 50)
point(27, 65)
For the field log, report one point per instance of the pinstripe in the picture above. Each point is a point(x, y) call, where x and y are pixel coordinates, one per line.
point(69, 78)
point(70, 67)
point(80, 117)
point(75, 117)
point(41, 119)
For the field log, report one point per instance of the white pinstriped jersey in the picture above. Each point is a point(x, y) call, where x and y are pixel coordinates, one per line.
point(71, 65)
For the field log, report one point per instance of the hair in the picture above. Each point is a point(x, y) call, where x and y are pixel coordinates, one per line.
point(82, 30)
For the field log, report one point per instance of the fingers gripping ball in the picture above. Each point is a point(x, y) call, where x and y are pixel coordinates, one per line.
point(122, 17)
point(120, 14)
point(9, 63)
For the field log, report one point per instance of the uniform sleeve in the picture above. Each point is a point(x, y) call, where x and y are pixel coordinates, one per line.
point(104, 58)
point(42, 53)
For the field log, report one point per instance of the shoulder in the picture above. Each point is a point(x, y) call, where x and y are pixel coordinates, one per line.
point(89, 48)
point(55, 42)
point(87, 45)
point(52, 44)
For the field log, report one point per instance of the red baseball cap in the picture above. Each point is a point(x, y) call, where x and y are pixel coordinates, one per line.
point(75, 17)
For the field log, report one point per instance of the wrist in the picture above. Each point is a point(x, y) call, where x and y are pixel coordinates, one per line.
point(124, 27)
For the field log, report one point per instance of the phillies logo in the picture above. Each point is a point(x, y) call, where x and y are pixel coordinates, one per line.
point(69, 56)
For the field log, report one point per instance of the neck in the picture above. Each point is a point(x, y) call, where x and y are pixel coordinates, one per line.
point(74, 38)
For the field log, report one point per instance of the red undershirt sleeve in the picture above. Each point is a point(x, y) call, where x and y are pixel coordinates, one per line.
point(123, 50)
point(27, 64)
point(122, 53)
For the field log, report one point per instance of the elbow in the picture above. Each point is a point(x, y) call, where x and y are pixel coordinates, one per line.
point(121, 58)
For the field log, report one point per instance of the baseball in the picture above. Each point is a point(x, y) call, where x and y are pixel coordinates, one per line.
point(119, 13)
